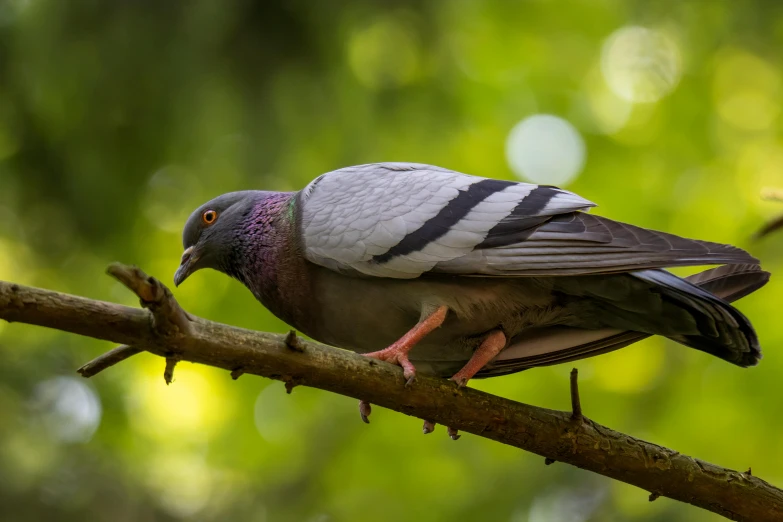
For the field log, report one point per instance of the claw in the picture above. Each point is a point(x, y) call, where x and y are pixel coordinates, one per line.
point(460, 381)
point(408, 370)
point(397, 353)
point(428, 427)
point(364, 410)
point(454, 433)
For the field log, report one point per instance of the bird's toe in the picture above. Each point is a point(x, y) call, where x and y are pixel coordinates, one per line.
point(364, 410)
point(460, 381)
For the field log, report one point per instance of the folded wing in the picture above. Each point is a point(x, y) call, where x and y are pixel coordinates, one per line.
point(404, 220)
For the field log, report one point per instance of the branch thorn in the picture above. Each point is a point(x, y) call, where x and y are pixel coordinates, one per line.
point(576, 405)
point(292, 342)
point(171, 362)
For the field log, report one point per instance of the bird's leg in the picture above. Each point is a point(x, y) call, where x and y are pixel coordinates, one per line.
point(489, 348)
point(397, 353)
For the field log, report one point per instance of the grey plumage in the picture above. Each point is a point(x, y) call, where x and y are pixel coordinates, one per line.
point(352, 218)
point(361, 254)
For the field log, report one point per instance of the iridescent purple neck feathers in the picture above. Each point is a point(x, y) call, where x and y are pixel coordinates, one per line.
point(266, 257)
point(260, 239)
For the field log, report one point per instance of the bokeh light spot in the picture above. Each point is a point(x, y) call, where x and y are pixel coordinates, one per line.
point(749, 110)
point(182, 481)
point(746, 90)
point(384, 53)
point(640, 65)
point(545, 149)
point(193, 407)
point(68, 408)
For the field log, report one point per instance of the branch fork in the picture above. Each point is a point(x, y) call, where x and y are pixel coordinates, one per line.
point(167, 318)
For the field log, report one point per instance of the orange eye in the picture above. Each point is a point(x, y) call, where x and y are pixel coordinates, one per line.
point(209, 217)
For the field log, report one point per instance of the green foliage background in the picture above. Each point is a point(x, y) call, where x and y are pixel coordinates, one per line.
point(118, 117)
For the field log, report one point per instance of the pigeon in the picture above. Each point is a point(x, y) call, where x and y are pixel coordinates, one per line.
point(462, 276)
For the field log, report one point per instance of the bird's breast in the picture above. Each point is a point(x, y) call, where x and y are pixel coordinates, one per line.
point(369, 314)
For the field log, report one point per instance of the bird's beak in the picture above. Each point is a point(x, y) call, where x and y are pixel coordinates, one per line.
point(186, 266)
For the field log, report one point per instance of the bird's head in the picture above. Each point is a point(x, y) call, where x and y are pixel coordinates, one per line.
point(210, 234)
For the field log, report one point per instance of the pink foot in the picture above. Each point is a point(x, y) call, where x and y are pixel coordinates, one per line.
point(396, 354)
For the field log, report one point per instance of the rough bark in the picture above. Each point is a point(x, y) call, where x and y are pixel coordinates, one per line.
point(166, 330)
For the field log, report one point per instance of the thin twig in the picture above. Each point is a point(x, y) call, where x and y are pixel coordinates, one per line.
point(770, 194)
point(108, 360)
point(769, 227)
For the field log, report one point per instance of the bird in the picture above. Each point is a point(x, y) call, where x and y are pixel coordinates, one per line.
point(462, 276)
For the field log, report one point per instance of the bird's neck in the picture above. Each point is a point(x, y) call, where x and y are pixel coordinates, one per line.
point(269, 260)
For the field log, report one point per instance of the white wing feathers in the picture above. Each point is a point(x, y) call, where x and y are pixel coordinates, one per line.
point(400, 220)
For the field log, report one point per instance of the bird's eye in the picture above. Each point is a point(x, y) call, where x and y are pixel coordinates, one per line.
point(209, 217)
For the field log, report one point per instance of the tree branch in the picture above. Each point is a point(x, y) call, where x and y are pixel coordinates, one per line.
point(164, 329)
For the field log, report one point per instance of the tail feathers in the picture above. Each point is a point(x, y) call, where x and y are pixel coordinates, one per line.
point(556, 345)
point(723, 330)
point(731, 282)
